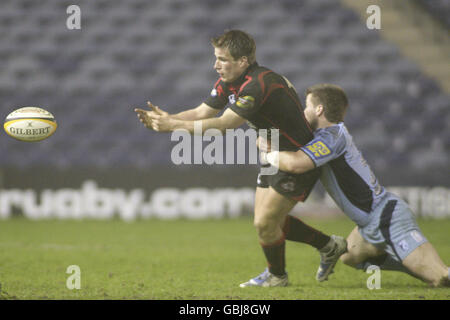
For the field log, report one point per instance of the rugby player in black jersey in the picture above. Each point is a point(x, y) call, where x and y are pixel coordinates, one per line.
point(266, 100)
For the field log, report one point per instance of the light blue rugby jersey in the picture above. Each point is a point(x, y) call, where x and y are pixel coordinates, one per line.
point(345, 173)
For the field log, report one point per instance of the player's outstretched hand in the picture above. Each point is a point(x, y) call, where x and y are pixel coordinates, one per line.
point(155, 119)
point(143, 116)
point(147, 116)
point(156, 110)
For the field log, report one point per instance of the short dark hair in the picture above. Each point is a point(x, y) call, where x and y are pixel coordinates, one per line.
point(239, 43)
point(333, 99)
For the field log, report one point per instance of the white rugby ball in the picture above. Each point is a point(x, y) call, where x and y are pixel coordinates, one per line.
point(30, 124)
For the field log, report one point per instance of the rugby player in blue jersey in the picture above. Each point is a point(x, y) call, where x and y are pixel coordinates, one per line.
point(387, 234)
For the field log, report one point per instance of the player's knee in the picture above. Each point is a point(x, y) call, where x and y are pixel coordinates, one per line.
point(266, 228)
point(436, 283)
point(257, 223)
point(440, 281)
point(261, 225)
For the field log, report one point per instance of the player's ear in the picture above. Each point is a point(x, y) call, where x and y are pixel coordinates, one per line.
point(243, 61)
point(319, 110)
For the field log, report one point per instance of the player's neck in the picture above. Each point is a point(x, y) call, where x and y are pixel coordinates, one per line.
point(324, 123)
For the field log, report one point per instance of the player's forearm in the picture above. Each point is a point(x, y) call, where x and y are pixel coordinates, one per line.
point(198, 126)
point(288, 161)
point(291, 162)
point(188, 115)
point(203, 111)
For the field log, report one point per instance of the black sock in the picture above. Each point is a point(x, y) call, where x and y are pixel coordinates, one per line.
point(275, 257)
point(296, 230)
point(385, 262)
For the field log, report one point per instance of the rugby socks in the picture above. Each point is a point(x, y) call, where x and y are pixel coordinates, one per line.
point(295, 230)
point(330, 246)
point(385, 262)
point(378, 261)
point(275, 256)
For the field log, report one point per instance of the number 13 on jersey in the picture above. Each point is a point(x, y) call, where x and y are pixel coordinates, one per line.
point(319, 149)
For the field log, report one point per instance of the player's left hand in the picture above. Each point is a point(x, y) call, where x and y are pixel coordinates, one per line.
point(155, 119)
point(160, 120)
point(156, 110)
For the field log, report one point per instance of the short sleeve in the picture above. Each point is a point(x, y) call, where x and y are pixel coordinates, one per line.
point(249, 101)
point(217, 98)
point(325, 146)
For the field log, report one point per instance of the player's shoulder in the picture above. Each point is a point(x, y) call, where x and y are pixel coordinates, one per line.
point(260, 78)
point(258, 72)
point(333, 136)
point(333, 131)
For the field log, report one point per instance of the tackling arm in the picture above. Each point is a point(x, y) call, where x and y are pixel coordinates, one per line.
point(289, 161)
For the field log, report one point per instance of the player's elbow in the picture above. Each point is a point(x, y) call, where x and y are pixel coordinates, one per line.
point(224, 126)
point(221, 129)
point(204, 111)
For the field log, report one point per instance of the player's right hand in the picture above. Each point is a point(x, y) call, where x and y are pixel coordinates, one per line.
point(144, 117)
point(262, 144)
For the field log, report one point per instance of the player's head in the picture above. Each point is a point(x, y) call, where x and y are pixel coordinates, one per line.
point(234, 51)
point(327, 101)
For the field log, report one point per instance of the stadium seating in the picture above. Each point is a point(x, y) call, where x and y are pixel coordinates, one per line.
point(439, 9)
point(128, 52)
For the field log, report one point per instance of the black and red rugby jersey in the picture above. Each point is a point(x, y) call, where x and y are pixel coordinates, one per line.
point(266, 100)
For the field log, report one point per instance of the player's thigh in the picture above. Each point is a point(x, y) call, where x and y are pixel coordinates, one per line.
point(262, 187)
point(358, 249)
point(271, 207)
point(259, 196)
point(425, 262)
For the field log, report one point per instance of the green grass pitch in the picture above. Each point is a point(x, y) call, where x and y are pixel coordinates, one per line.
point(181, 259)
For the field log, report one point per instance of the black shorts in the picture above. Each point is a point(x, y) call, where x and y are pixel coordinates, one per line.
point(293, 186)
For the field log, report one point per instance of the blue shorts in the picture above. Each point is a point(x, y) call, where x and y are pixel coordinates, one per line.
point(393, 228)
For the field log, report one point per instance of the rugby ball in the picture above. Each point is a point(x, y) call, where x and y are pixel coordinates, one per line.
point(30, 124)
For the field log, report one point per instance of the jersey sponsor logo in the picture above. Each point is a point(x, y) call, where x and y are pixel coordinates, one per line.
point(416, 236)
point(288, 185)
point(232, 98)
point(214, 92)
point(319, 149)
point(245, 102)
point(403, 245)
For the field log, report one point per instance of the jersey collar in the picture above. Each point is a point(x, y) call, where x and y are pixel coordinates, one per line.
point(241, 79)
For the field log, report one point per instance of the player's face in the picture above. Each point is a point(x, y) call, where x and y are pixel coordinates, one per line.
point(228, 68)
point(311, 112)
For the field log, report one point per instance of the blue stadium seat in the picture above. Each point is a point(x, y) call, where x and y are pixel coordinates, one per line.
point(132, 51)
